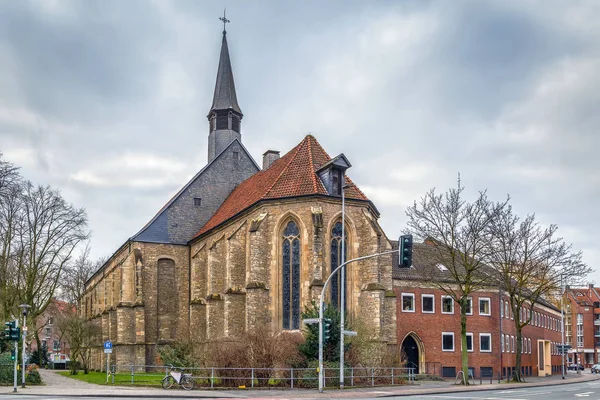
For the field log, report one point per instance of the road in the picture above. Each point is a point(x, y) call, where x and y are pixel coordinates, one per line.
point(576, 391)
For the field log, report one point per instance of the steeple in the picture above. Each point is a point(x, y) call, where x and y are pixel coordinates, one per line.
point(225, 115)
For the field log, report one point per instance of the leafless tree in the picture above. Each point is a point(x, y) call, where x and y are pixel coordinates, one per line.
point(531, 264)
point(52, 230)
point(456, 232)
point(75, 275)
point(82, 336)
point(10, 213)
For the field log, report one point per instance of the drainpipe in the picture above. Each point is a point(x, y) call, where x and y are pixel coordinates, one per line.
point(500, 309)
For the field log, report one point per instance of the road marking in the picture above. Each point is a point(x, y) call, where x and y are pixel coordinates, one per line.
point(586, 394)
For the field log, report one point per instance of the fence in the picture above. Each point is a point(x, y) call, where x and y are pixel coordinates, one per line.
point(265, 377)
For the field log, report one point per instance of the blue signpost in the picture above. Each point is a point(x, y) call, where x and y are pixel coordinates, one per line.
point(108, 352)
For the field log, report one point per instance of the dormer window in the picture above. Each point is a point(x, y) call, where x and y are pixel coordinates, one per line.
point(332, 174)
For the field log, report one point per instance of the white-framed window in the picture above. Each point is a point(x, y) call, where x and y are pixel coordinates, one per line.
point(485, 342)
point(447, 341)
point(408, 302)
point(507, 343)
point(512, 343)
point(529, 344)
point(506, 311)
point(469, 310)
point(469, 342)
point(447, 305)
point(427, 303)
point(485, 306)
point(501, 311)
point(502, 342)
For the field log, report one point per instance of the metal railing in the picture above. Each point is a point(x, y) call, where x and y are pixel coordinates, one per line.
point(265, 377)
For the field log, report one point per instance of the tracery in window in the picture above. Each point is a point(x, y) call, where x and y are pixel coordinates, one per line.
point(336, 259)
point(291, 276)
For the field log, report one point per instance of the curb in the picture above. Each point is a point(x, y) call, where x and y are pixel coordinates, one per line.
point(477, 388)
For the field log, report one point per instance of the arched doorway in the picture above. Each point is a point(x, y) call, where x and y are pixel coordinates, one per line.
point(410, 348)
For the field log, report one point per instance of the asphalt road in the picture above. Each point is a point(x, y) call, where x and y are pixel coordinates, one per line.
point(576, 391)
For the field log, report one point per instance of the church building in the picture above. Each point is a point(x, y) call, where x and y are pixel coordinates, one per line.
point(243, 245)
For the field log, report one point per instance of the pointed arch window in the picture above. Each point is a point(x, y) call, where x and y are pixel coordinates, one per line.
point(291, 276)
point(336, 259)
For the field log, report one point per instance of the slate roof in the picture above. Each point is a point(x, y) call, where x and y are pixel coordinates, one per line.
point(157, 230)
point(292, 175)
point(225, 97)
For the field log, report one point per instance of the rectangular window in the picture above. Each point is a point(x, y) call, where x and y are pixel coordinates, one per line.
point(485, 306)
point(469, 310)
point(507, 343)
point(447, 305)
point(408, 302)
point(469, 341)
point(48, 332)
point(236, 155)
point(512, 344)
point(56, 345)
point(502, 343)
point(427, 303)
point(197, 201)
point(447, 341)
point(485, 342)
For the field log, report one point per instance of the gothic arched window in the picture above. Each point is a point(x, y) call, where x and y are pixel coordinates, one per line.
point(336, 259)
point(291, 276)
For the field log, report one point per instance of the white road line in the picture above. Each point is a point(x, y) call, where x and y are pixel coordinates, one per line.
point(586, 394)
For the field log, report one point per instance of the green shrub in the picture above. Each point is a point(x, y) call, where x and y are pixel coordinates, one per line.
point(32, 376)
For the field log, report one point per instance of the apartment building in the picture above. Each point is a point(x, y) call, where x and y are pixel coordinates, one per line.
point(428, 323)
point(582, 324)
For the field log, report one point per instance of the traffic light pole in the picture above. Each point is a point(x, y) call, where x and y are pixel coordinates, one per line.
point(321, 300)
point(16, 344)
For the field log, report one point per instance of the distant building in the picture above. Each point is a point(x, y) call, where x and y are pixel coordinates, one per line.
point(582, 324)
point(429, 329)
point(57, 346)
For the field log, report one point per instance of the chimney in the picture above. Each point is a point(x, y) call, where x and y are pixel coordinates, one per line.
point(590, 285)
point(269, 157)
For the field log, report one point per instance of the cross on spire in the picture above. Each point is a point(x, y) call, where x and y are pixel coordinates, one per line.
point(224, 19)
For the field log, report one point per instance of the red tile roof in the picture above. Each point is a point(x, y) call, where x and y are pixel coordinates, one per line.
point(292, 175)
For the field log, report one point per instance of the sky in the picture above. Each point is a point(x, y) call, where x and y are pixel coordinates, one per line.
point(107, 100)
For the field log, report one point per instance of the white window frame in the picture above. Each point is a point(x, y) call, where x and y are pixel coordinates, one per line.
point(502, 343)
point(442, 304)
point(489, 301)
point(470, 301)
point(529, 340)
point(502, 310)
point(506, 310)
point(414, 303)
point(507, 338)
point(430, 296)
point(485, 335)
point(453, 345)
point(512, 343)
point(469, 334)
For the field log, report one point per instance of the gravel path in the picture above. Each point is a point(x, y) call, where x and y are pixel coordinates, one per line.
point(53, 379)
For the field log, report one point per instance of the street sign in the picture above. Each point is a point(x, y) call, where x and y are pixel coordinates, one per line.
point(108, 347)
point(349, 333)
point(309, 321)
point(108, 351)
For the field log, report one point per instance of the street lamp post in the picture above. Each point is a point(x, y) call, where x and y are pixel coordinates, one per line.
point(343, 288)
point(24, 308)
point(322, 298)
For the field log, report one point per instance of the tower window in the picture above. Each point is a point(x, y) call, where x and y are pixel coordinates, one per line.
point(236, 155)
point(197, 201)
point(336, 182)
point(235, 124)
point(222, 122)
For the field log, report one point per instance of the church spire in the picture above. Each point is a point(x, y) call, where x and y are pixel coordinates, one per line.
point(225, 115)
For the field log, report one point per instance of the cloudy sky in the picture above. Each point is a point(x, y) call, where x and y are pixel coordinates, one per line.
point(107, 100)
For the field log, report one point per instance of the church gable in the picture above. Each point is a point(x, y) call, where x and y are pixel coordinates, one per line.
point(199, 199)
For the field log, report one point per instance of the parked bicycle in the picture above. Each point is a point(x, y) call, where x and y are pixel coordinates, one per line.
point(176, 375)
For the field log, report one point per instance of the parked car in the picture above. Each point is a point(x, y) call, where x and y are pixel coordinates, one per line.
point(595, 368)
point(575, 367)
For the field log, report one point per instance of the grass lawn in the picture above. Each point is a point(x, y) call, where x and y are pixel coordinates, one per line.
point(99, 378)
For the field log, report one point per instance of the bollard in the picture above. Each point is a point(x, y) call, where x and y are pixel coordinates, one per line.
point(392, 375)
point(352, 376)
point(498, 376)
point(252, 385)
point(372, 376)
point(132, 374)
point(212, 377)
point(291, 378)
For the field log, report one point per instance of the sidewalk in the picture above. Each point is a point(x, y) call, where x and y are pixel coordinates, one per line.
point(58, 385)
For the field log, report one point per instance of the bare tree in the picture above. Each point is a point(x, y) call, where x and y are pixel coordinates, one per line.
point(52, 230)
point(531, 263)
point(83, 336)
point(456, 232)
point(76, 274)
point(10, 213)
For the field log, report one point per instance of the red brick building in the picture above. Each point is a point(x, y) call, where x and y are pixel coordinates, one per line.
point(50, 335)
point(582, 324)
point(428, 323)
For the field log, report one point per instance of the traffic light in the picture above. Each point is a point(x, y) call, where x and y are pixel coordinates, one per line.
point(12, 332)
point(16, 334)
point(13, 355)
point(326, 329)
point(406, 244)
